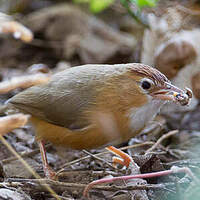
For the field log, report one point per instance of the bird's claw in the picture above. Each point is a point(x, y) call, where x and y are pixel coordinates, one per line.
point(49, 173)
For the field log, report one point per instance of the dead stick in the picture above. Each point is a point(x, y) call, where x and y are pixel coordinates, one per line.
point(29, 168)
point(98, 158)
point(25, 154)
point(160, 140)
point(102, 153)
point(173, 170)
point(23, 82)
point(16, 182)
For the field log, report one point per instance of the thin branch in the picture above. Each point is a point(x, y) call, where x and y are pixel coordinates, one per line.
point(160, 140)
point(28, 167)
point(11, 122)
point(98, 158)
point(102, 153)
point(173, 170)
point(16, 182)
point(19, 31)
point(25, 154)
point(23, 82)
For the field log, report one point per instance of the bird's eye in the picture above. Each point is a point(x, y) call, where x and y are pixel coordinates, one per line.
point(146, 85)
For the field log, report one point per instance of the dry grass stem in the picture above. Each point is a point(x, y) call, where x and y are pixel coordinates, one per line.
point(169, 134)
point(173, 170)
point(28, 167)
point(101, 159)
point(25, 154)
point(62, 186)
point(100, 154)
point(11, 122)
point(23, 82)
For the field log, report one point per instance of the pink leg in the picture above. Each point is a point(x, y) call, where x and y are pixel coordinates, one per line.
point(49, 173)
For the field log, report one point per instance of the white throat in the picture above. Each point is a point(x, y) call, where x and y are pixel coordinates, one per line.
point(139, 117)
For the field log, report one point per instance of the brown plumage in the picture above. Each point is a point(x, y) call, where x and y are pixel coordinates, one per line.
point(151, 73)
point(72, 109)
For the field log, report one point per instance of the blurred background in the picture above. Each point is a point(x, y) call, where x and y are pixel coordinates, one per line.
point(164, 34)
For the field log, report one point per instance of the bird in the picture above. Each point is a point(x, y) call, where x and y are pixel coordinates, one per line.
point(96, 105)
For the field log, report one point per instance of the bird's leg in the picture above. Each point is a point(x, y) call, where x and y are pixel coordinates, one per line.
point(123, 159)
point(49, 173)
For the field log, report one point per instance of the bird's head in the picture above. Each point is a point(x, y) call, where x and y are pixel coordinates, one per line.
point(153, 84)
point(138, 91)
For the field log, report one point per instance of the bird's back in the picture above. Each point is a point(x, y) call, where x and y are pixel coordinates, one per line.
point(67, 95)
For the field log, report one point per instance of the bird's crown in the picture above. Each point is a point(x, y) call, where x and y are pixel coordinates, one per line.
point(151, 73)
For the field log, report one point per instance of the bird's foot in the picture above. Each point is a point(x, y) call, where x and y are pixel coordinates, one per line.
point(123, 158)
point(49, 173)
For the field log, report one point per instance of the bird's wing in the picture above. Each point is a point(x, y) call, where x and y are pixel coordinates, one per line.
point(64, 99)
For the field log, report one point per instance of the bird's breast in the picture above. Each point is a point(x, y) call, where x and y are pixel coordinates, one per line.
point(139, 117)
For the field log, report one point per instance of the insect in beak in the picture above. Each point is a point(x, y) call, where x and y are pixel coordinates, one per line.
point(172, 93)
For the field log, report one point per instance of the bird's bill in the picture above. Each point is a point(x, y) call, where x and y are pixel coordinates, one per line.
point(173, 93)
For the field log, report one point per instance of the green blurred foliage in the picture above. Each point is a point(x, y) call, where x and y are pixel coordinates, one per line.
point(144, 3)
point(97, 6)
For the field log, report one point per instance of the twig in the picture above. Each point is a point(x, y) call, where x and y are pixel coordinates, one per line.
point(177, 153)
point(98, 158)
point(25, 154)
point(16, 182)
point(11, 122)
point(64, 198)
point(19, 31)
point(28, 167)
point(160, 140)
point(187, 162)
point(173, 170)
point(102, 173)
point(23, 82)
point(102, 153)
